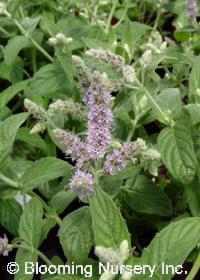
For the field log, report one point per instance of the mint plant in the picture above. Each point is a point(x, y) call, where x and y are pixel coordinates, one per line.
point(99, 139)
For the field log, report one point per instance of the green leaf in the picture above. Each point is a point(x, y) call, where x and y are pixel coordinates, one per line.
point(23, 256)
point(170, 100)
point(182, 35)
point(48, 79)
point(29, 24)
point(10, 212)
point(176, 147)
point(192, 191)
point(7, 191)
point(12, 72)
point(30, 226)
point(47, 225)
point(44, 170)
point(65, 60)
point(34, 140)
point(194, 82)
point(108, 225)
point(171, 245)
point(14, 46)
point(62, 200)
point(194, 111)
point(8, 130)
point(145, 197)
point(76, 235)
point(11, 91)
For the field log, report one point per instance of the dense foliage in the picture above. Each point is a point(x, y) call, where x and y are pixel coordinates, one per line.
point(99, 137)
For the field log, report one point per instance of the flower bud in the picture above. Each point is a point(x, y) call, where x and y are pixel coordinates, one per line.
point(38, 128)
point(52, 41)
point(67, 107)
point(146, 58)
point(62, 39)
point(81, 70)
point(107, 275)
point(124, 250)
point(126, 275)
point(37, 111)
point(192, 8)
point(3, 8)
point(107, 57)
point(128, 73)
point(116, 144)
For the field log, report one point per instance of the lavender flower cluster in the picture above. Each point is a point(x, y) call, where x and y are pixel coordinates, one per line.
point(5, 247)
point(73, 146)
point(97, 97)
point(192, 8)
point(119, 158)
point(99, 117)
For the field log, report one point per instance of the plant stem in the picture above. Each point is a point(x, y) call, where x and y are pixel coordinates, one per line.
point(5, 32)
point(155, 104)
point(96, 174)
point(115, 2)
point(123, 15)
point(8, 181)
point(39, 253)
point(157, 18)
point(47, 208)
point(94, 18)
point(27, 35)
point(43, 257)
point(195, 269)
point(132, 131)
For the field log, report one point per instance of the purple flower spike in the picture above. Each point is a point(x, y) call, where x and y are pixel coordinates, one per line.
point(99, 136)
point(75, 148)
point(82, 184)
point(118, 160)
point(192, 8)
point(99, 117)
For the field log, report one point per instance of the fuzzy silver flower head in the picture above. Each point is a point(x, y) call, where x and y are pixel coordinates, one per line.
point(67, 107)
point(146, 58)
point(116, 84)
point(37, 111)
point(38, 128)
point(107, 275)
point(150, 160)
point(52, 41)
point(3, 8)
point(128, 73)
point(82, 71)
point(82, 184)
point(116, 62)
point(156, 43)
point(73, 146)
point(60, 39)
point(113, 256)
point(192, 8)
point(5, 248)
point(126, 275)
